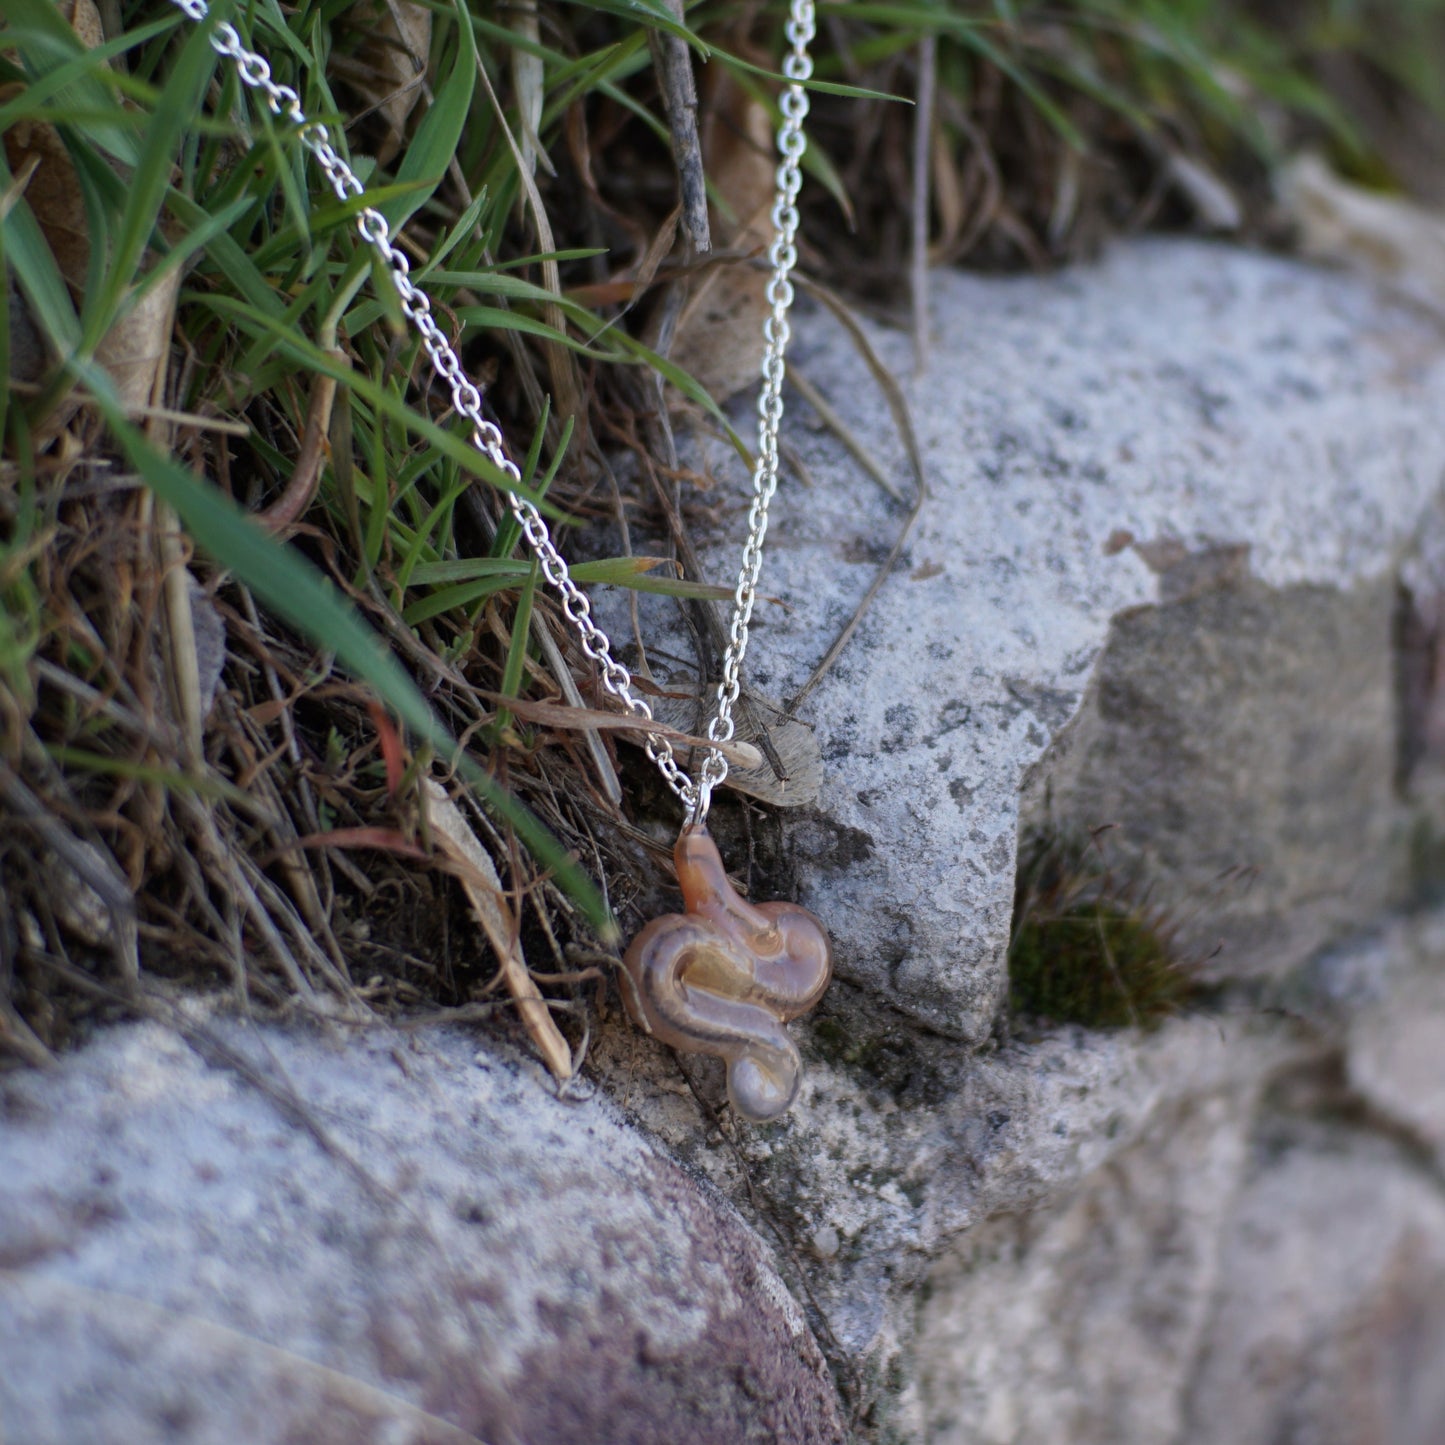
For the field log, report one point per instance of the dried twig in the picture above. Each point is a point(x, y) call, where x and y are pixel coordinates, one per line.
point(545, 714)
point(291, 505)
point(673, 63)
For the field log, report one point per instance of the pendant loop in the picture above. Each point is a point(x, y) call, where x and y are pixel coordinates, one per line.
point(700, 805)
point(713, 770)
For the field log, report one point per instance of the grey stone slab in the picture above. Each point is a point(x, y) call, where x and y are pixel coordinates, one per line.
point(1255, 1266)
point(1172, 489)
point(381, 1237)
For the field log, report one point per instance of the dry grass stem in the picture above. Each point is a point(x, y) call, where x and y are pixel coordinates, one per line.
point(833, 420)
point(478, 876)
point(679, 97)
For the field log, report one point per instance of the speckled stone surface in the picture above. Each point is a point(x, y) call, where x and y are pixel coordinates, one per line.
point(390, 1239)
point(1180, 419)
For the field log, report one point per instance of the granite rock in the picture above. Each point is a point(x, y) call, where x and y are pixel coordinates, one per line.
point(1153, 585)
point(1396, 1032)
point(1180, 572)
point(1257, 1266)
point(270, 1234)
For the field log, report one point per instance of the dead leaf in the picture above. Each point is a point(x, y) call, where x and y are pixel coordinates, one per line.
point(794, 742)
point(397, 44)
point(478, 876)
point(529, 81)
point(135, 349)
point(1215, 206)
point(949, 206)
point(84, 18)
point(53, 194)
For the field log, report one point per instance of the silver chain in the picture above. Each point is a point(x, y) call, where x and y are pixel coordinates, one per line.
point(255, 72)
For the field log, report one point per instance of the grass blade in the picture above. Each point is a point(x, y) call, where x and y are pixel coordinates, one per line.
point(150, 181)
point(292, 587)
point(435, 143)
point(35, 270)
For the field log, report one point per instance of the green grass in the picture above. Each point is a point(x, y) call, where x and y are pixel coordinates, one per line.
point(404, 583)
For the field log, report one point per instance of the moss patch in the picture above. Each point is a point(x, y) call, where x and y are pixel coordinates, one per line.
point(1086, 947)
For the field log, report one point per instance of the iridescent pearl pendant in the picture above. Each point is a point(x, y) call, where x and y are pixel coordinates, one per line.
point(723, 977)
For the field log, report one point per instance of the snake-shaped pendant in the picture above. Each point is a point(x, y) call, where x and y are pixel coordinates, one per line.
point(724, 977)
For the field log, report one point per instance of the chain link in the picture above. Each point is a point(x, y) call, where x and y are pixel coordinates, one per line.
point(255, 72)
point(783, 257)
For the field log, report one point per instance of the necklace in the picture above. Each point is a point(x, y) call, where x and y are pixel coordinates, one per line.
point(724, 976)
